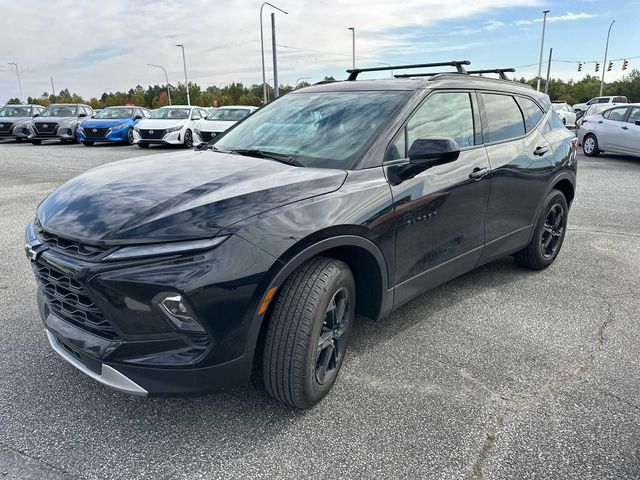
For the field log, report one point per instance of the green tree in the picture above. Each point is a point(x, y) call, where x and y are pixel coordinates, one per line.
point(14, 101)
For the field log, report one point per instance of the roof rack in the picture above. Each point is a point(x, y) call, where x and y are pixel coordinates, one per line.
point(499, 71)
point(353, 74)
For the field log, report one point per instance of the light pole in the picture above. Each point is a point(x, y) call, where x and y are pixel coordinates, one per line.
point(186, 82)
point(353, 47)
point(544, 24)
point(53, 89)
point(166, 77)
point(604, 64)
point(19, 82)
point(264, 84)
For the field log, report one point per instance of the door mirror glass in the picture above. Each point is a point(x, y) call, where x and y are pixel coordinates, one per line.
point(82, 114)
point(36, 115)
point(138, 117)
point(431, 151)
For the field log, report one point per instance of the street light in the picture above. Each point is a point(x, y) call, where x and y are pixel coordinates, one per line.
point(544, 24)
point(19, 82)
point(53, 89)
point(264, 84)
point(166, 78)
point(186, 82)
point(353, 47)
point(606, 50)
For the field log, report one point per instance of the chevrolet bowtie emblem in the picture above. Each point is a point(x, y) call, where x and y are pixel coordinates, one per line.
point(34, 251)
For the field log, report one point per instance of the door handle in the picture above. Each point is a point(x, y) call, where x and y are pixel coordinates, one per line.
point(600, 121)
point(625, 128)
point(540, 151)
point(478, 173)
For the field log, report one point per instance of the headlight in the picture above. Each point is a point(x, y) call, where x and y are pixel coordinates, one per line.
point(173, 129)
point(151, 250)
point(118, 127)
point(30, 233)
point(137, 129)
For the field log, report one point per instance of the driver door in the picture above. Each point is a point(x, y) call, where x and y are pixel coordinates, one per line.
point(440, 213)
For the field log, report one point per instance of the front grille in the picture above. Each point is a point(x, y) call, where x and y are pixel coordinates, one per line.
point(5, 127)
point(151, 134)
point(69, 301)
point(45, 128)
point(70, 248)
point(95, 132)
point(207, 136)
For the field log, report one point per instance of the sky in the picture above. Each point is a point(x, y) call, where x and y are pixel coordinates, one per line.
point(105, 46)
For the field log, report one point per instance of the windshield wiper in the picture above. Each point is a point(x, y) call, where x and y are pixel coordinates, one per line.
point(278, 157)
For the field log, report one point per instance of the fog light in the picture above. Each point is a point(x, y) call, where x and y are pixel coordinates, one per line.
point(178, 312)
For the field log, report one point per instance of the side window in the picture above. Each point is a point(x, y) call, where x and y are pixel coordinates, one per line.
point(195, 114)
point(504, 118)
point(619, 99)
point(444, 115)
point(634, 116)
point(554, 122)
point(138, 113)
point(603, 100)
point(398, 149)
point(532, 112)
point(615, 114)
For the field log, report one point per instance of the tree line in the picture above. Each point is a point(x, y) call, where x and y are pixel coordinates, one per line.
point(237, 93)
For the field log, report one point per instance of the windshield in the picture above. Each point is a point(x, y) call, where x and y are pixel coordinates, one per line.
point(229, 114)
point(15, 112)
point(171, 113)
point(316, 129)
point(114, 113)
point(59, 111)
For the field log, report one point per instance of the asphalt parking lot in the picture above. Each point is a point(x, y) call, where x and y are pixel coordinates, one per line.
point(501, 374)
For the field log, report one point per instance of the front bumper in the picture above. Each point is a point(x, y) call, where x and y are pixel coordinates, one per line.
point(139, 352)
point(61, 133)
point(171, 138)
point(17, 131)
point(111, 136)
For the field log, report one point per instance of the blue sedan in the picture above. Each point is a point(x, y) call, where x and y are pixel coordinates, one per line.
point(113, 124)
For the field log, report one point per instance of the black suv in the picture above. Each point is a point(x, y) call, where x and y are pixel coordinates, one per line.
point(171, 274)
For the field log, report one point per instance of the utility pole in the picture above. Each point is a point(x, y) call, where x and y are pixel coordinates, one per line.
point(264, 83)
point(186, 82)
point(53, 89)
point(19, 82)
point(546, 85)
point(604, 64)
point(275, 59)
point(544, 24)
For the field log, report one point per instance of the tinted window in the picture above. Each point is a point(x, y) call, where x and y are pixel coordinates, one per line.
point(615, 114)
point(619, 99)
point(635, 115)
point(444, 115)
point(555, 122)
point(532, 112)
point(603, 100)
point(504, 118)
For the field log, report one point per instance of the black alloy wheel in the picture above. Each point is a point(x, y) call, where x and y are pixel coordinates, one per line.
point(130, 136)
point(331, 344)
point(553, 231)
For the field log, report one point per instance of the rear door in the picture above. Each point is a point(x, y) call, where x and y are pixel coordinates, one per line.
point(629, 139)
point(609, 128)
point(520, 158)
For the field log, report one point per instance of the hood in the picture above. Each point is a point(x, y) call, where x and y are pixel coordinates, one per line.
point(176, 197)
point(55, 120)
point(105, 123)
point(14, 120)
point(215, 125)
point(160, 123)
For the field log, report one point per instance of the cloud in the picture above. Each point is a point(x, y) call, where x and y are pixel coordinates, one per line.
point(493, 24)
point(562, 18)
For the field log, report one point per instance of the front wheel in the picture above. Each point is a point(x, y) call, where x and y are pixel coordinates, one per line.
point(308, 332)
point(590, 146)
point(130, 136)
point(548, 235)
point(188, 139)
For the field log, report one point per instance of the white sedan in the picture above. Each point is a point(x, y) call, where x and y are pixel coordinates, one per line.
point(616, 130)
point(565, 112)
point(219, 120)
point(173, 125)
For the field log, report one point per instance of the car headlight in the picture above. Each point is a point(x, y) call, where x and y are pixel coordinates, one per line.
point(152, 250)
point(137, 129)
point(117, 127)
point(173, 129)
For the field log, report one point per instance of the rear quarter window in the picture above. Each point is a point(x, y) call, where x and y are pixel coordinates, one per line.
point(504, 118)
point(532, 112)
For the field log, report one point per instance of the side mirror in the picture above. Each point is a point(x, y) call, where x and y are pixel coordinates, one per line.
point(428, 152)
point(36, 115)
point(81, 115)
point(138, 117)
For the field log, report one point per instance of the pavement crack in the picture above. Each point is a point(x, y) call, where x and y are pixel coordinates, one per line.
point(621, 400)
point(520, 400)
point(68, 475)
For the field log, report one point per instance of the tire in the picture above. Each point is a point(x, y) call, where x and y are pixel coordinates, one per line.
point(143, 145)
point(564, 122)
point(303, 351)
point(130, 136)
point(19, 140)
point(36, 142)
point(188, 139)
point(548, 235)
point(590, 145)
point(87, 143)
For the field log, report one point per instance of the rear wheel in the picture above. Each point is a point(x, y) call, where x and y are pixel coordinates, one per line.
point(548, 235)
point(590, 146)
point(308, 332)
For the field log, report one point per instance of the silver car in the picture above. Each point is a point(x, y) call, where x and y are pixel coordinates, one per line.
point(14, 120)
point(59, 121)
point(615, 130)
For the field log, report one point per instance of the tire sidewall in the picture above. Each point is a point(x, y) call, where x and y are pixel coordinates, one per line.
point(188, 135)
point(312, 390)
point(130, 138)
point(593, 152)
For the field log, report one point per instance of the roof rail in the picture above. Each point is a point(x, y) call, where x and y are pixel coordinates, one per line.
point(353, 74)
point(499, 71)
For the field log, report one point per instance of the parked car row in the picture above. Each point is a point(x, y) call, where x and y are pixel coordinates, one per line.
point(581, 107)
point(78, 123)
